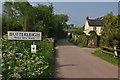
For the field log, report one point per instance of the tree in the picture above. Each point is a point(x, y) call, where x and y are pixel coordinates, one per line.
point(59, 25)
point(25, 17)
point(110, 31)
point(0, 25)
point(24, 12)
point(78, 31)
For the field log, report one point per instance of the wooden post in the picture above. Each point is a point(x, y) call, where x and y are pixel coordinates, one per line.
point(115, 51)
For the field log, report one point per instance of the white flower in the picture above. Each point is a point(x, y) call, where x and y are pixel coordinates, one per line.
point(0, 76)
point(41, 72)
point(16, 68)
point(32, 61)
point(38, 62)
point(2, 65)
point(19, 54)
point(46, 67)
point(33, 74)
point(36, 58)
point(16, 75)
point(9, 67)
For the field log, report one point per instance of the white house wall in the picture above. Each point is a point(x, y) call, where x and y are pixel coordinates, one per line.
point(87, 28)
point(91, 28)
point(98, 30)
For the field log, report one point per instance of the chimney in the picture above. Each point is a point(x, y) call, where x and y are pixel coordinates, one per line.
point(87, 18)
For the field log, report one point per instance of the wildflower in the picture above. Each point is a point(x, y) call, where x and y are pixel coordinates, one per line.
point(9, 67)
point(16, 75)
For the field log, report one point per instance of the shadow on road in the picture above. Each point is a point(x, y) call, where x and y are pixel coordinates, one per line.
point(56, 65)
point(64, 42)
point(66, 65)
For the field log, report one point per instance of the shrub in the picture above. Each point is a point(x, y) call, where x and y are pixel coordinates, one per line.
point(19, 62)
point(92, 41)
point(78, 31)
point(82, 40)
point(92, 35)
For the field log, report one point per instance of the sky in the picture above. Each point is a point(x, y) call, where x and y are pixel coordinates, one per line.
point(64, 0)
point(77, 11)
point(0, 7)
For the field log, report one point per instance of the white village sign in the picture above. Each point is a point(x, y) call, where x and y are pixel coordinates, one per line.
point(20, 35)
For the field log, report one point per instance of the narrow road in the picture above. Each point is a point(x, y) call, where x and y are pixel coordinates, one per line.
point(76, 62)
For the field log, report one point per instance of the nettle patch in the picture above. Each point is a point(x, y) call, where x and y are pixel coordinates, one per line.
point(19, 62)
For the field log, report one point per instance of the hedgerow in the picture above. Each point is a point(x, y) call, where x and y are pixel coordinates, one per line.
point(19, 62)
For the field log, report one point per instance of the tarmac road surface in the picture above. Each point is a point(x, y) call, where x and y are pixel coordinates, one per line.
point(76, 62)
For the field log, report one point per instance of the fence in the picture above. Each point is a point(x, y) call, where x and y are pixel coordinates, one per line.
point(109, 50)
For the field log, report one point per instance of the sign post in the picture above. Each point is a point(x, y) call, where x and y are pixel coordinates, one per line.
point(19, 35)
point(115, 51)
point(33, 48)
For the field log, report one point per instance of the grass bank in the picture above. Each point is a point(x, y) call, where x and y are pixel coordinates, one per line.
point(107, 57)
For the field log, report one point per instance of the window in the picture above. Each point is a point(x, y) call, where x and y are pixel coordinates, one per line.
point(94, 28)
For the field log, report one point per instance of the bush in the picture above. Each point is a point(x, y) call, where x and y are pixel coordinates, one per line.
point(73, 41)
point(92, 41)
point(82, 40)
point(19, 62)
point(92, 35)
point(78, 31)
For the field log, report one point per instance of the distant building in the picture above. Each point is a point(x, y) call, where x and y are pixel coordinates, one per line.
point(93, 25)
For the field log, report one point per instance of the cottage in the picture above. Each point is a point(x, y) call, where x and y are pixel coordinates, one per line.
point(93, 25)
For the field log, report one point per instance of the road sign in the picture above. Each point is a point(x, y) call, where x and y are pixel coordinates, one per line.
point(20, 35)
point(33, 48)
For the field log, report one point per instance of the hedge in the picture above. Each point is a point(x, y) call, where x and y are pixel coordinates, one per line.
point(19, 62)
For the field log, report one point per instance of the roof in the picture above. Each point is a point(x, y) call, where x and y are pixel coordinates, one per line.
point(95, 22)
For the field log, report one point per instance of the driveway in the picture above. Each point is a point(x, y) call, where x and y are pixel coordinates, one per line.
point(76, 62)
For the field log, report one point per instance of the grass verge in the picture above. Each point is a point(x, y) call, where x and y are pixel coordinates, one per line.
point(107, 57)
